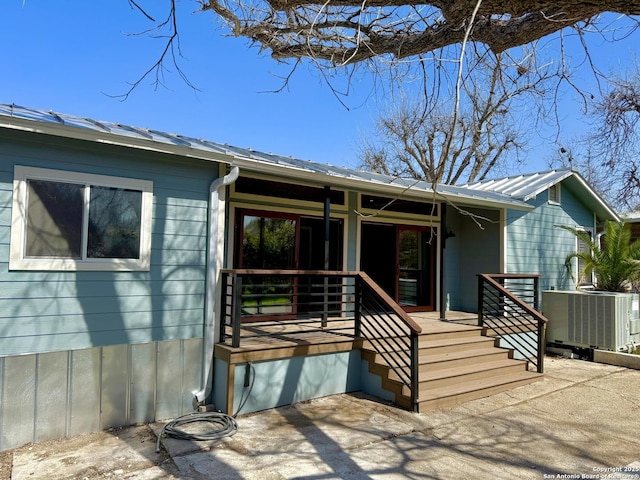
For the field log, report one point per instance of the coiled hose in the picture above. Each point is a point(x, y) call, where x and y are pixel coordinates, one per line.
point(223, 425)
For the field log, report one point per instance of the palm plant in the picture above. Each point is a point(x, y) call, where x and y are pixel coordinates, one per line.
point(616, 264)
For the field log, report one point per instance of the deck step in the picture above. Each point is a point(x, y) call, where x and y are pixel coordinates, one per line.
point(449, 376)
point(455, 374)
point(451, 395)
point(457, 363)
point(438, 345)
point(464, 356)
point(450, 330)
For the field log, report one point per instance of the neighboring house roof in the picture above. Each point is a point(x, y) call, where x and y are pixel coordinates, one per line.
point(633, 219)
point(527, 186)
point(68, 126)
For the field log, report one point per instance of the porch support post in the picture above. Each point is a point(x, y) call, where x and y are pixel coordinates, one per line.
point(327, 225)
point(443, 244)
point(327, 245)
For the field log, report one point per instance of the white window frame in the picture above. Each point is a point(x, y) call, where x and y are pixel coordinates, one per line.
point(580, 247)
point(558, 190)
point(17, 260)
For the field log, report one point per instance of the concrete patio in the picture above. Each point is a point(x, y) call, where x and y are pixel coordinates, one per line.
point(582, 419)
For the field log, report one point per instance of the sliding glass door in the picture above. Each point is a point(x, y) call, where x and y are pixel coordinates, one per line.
point(401, 259)
point(280, 241)
point(268, 241)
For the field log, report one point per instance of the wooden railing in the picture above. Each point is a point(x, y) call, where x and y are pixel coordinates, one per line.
point(508, 308)
point(256, 302)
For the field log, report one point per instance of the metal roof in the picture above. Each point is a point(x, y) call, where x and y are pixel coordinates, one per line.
point(523, 187)
point(70, 126)
point(527, 186)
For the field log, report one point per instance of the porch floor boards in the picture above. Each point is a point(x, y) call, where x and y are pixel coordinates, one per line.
point(275, 340)
point(282, 339)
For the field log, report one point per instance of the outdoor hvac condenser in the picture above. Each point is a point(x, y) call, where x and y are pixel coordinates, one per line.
point(604, 320)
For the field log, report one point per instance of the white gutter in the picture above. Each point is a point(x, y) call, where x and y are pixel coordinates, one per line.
point(215, 257)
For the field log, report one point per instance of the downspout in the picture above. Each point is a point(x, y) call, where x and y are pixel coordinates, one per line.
point(215, 258)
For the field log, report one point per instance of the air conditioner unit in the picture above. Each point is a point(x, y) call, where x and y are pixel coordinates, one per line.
point(604, 320)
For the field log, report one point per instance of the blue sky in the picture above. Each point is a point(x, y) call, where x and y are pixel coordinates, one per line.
point(71, 56)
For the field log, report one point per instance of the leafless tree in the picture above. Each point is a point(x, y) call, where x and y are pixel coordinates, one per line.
point(581, 156)
point(392, 35)
point(406, 38)
point(343, 32)
point(616, 140)
point(433, 143)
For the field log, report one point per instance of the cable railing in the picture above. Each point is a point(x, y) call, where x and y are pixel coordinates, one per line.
point(299, 303)
point(508, 308)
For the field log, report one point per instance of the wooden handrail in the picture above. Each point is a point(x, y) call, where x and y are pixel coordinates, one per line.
point(512, 275)
point(266, 273)
point(336, 273)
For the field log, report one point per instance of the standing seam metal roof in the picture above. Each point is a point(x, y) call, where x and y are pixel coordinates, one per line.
point(528, 186)
point(522, 187)
point(117, 132)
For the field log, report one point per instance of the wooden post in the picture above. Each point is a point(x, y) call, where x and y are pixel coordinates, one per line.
point(443, 243)
point(237, 311)
point(327, 250)
point(480, 299)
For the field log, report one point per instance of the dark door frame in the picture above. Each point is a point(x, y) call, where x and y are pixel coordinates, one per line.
point(392, 288)
point(429, 275)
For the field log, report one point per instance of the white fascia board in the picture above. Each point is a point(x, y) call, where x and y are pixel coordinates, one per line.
point(598, 198)
point(106, 138)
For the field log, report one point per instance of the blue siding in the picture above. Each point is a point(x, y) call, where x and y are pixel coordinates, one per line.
point(452, 289)
point(474, 250)
point(536, 244)
point(291, 380)
point(53, 311)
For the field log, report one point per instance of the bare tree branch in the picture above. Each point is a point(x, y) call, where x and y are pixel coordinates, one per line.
point(171, 50)
point(616, 141)
point(441, 146)
point(342, 32)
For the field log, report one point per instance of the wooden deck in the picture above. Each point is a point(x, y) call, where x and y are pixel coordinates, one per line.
point(271, 341)
point(456, 361)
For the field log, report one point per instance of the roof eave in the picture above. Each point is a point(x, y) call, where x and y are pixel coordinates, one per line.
point(545, 186)
point(601, 208)
point(77, 133)
point(249, 164)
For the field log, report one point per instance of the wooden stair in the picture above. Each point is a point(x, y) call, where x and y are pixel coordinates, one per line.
point(457, 363)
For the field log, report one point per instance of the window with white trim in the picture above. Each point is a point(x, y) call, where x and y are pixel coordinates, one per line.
point(75, 221)
point(554, 194)
point(583, 248)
